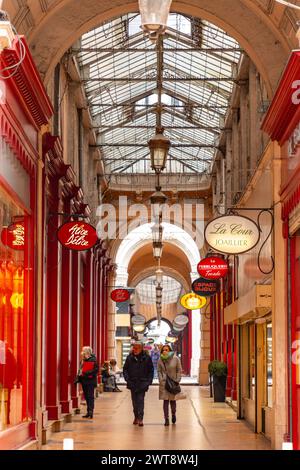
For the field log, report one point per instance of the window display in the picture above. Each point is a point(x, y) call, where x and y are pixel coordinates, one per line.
point(14, 314)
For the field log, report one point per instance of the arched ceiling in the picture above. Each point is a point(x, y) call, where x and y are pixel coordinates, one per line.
point(174, 263)
point(265, 29)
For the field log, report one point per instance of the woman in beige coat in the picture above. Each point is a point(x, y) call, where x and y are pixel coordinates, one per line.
point(170, 365)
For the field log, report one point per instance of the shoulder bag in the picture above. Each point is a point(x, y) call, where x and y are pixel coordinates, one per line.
point(171, 385)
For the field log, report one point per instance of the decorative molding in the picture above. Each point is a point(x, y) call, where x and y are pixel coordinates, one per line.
point(26, 82)
point(283, 115)
point(9, 134)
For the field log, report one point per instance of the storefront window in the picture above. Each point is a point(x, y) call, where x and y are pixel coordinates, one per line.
point(269, 355)
point(252, 361)
point(14, 305)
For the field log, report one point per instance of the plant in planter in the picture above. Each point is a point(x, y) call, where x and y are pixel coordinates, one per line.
point(218, 370)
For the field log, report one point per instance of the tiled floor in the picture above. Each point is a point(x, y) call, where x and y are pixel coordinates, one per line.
point(202, 425)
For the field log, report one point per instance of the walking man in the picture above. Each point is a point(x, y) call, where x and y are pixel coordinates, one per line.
point(138, 372)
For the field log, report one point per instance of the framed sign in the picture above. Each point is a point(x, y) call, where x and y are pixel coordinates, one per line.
point(78, 236)
point(193, 301)
point(14, 236)
point(120, 295)
point(205, 287)
point(213, 268)
point(232, 234)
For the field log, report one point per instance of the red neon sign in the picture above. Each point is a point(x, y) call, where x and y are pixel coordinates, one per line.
point(120, 295)
point(213, 268)
point(14, 236)
point(78, 236)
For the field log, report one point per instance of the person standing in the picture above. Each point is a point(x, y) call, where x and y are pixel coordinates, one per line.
point(87, 376)
point(155, 354)
point(168, 364)
point(138, 373)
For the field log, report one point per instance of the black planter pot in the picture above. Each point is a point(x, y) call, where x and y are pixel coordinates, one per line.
point(219, 388)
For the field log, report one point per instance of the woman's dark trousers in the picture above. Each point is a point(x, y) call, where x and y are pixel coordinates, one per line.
point(89, 395)
point(166, 408)
point(138, 401)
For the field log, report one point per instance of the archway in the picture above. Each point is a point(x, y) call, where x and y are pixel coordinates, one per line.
point(135, 264)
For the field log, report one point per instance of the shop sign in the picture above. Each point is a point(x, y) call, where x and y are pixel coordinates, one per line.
point(138, 320)
point(181, 320)
point(232, 234)
point(213, 268)
point(120, 295)
point(193, 301)
point(294, 220)
point(78, 236)
point(205, 287)
point(14, 236)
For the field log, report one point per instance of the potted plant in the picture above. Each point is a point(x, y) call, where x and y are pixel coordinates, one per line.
point(218, 370)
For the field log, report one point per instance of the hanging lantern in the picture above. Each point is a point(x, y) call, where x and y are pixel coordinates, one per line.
point(159, 147)
point(154, 15)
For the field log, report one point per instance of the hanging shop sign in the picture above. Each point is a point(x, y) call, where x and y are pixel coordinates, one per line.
point(14, 236)
point(120, 295)
point(205, 287)
point(181, 320)
point(177, 328)
point(138, 320)
point(78, 236)
point(213, 268)
point(232, 234)
point(193, 301)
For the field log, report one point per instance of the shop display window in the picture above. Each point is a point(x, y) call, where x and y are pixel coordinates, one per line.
point(14, 312)
point(269, 363)
point(252, 346)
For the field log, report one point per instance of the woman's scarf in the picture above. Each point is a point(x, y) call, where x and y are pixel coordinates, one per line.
point(169, 356)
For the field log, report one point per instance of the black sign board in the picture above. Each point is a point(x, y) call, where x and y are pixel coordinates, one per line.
point(205, 288)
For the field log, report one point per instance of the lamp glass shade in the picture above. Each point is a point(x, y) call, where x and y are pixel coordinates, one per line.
point(154, 14)
point(159, 276)
point(159, 147)
point(157, 250)
point(157, 233)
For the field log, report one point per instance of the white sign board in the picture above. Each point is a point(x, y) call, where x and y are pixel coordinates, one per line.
point(232, 234)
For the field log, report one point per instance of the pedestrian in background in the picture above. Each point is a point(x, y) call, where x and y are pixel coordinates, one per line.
point(155, 355)
point(87, 376)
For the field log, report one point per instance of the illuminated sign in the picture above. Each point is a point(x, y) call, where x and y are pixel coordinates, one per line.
point(193, 301)
point(213, 268)
point(78, 236)
point(14, 236)
point(232, 234)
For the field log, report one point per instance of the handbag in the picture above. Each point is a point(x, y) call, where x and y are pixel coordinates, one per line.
point(171, 385)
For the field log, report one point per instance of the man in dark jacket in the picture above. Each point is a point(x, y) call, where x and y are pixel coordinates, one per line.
point(138, 372)
point(87, 376)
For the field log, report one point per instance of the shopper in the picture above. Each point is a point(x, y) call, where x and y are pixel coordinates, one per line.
point(87, 376)
point(168, 364)
point(155, 355)
point(114, 372)
point(138, 373)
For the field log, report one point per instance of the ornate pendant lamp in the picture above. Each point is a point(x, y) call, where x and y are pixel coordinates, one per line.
point(154, 15)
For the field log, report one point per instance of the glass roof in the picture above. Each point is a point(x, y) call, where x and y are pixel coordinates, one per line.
point(119, 69)
point(147, 290)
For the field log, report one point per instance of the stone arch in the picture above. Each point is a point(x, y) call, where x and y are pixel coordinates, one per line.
point(51, 32)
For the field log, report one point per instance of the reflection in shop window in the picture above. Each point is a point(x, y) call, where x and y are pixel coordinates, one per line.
point(269, 354)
